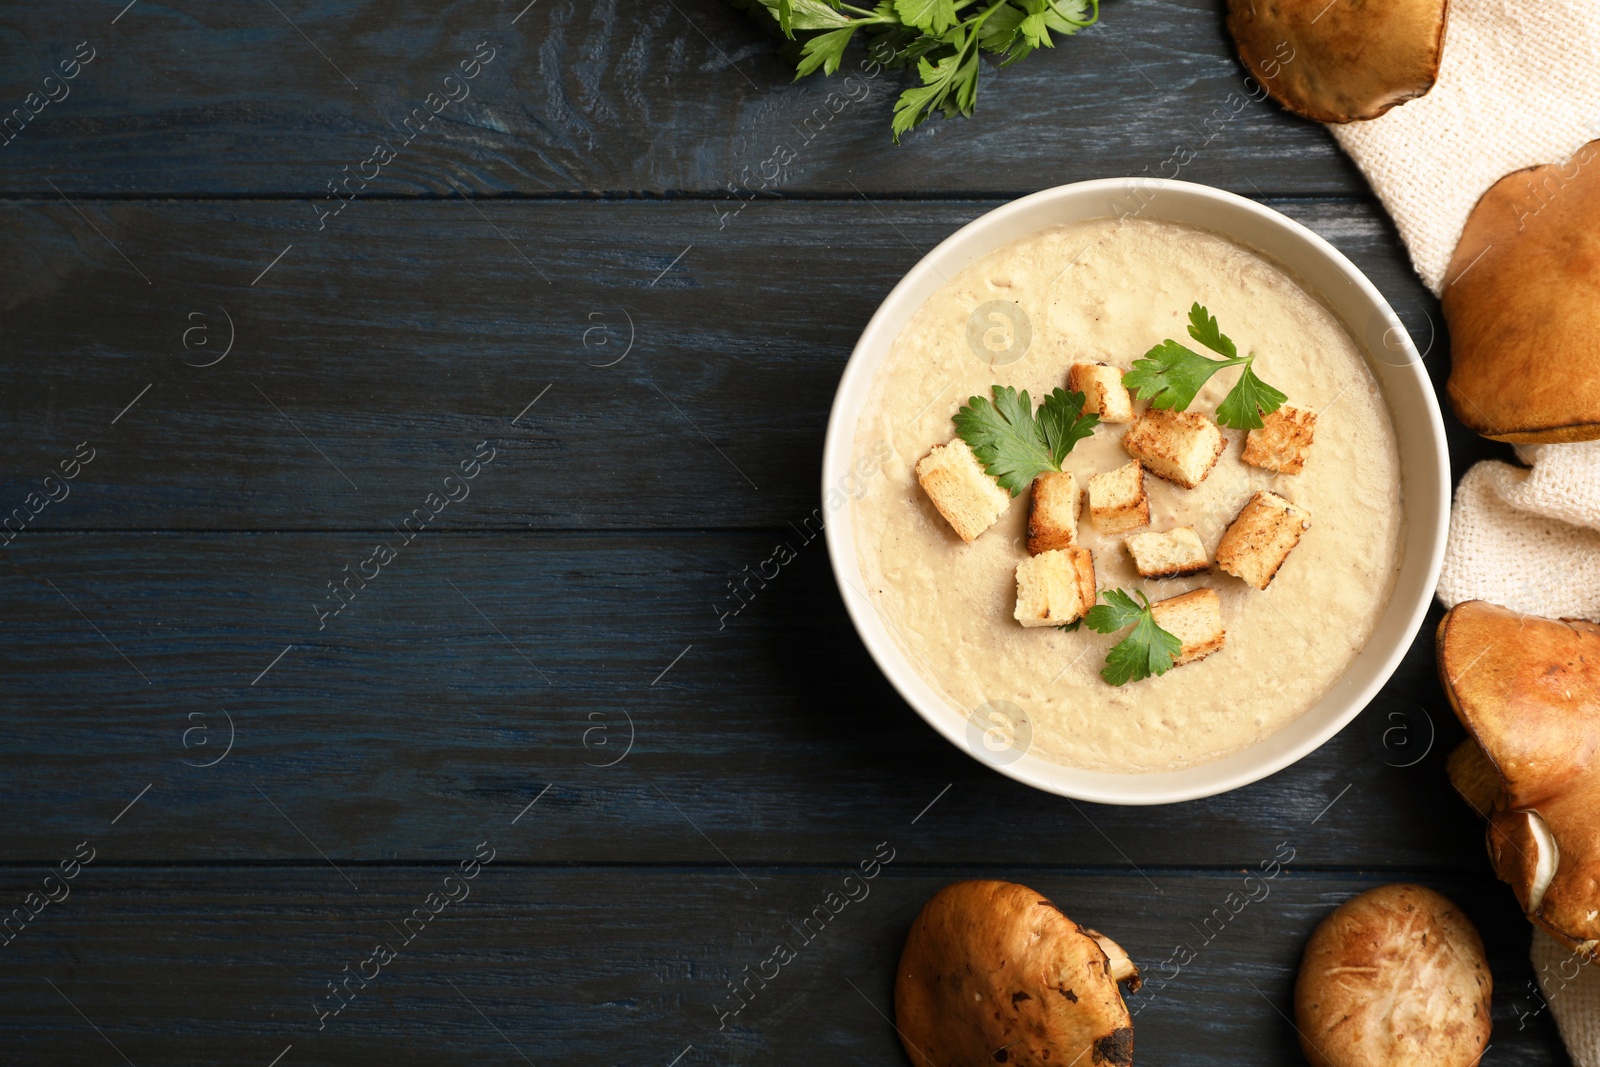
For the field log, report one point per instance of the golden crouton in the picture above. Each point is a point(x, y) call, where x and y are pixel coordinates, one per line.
point(1053, 512)
point(965, 494)
point(1180, 446)
point(1056, 587)
point(1195, 618)
point(1104, 393)
point(1261, 537)
point(1283, 442)
point(1117, 500)
point(1174, 554)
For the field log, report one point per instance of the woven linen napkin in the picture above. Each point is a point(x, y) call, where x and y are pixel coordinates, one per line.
point(1519, 85)
point(1528, 540)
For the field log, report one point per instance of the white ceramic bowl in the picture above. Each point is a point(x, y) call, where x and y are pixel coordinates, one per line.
point(1326, 272)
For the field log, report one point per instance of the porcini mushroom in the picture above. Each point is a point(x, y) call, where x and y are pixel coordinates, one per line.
point(1395, 975)
point(1344, 60)
point(1522, 300)
point(1528, 691)
point(993, 972)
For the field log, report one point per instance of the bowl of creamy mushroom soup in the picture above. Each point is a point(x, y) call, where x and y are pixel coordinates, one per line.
point(1137, 490)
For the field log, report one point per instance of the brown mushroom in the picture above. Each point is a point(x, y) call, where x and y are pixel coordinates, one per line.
point(993, 972)
point(1528, 691)
point(1340, 60)
point(1522, 300)
point(1395, 975)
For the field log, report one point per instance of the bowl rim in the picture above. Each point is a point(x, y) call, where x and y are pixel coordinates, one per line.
point(1234, 770)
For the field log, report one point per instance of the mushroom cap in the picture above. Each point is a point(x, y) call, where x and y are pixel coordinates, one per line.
point(1522, 300)
point(993, 972)
point(1528, 691)
point(1340, 61)
point(1395, 975)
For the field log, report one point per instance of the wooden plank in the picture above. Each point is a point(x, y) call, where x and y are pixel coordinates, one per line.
point(583, 98)
point(371, 357)
point(477, 669)
point(598, 965)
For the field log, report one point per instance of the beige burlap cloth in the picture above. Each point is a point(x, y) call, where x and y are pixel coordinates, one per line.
point(1528, 539)
point(1519, 85)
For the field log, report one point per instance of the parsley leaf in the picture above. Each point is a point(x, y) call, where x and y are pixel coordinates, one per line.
point(1118, 612)
point(806, 15)
point(1004, 437)
point(1170, 375)
point(1013, 444)
point(1063, 423)
point(1146, 651)
point(1084, 13)
point(950, 85)
point(825, 50)
point(1203, 328)
point(1001, 28)
point(1243, 405)
point(935, 16)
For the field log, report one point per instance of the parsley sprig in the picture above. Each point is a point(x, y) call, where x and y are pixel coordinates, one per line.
point(1013, 443)
point(1146, 651)
point(1170, 374)
point(933, 36)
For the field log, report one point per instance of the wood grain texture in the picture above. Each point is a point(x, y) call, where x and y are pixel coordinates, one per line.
point(478, 668)
point(555, 666)
point(619, 98)
point(589, 964)
point(374, 354)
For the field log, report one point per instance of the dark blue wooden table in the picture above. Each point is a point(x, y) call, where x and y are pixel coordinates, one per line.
point(376, 465)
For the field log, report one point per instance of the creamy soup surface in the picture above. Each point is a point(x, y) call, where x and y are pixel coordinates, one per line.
point(1107, 291)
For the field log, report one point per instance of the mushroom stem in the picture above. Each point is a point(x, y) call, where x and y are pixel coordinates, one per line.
point(1549, 859)
point(1123, 969)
